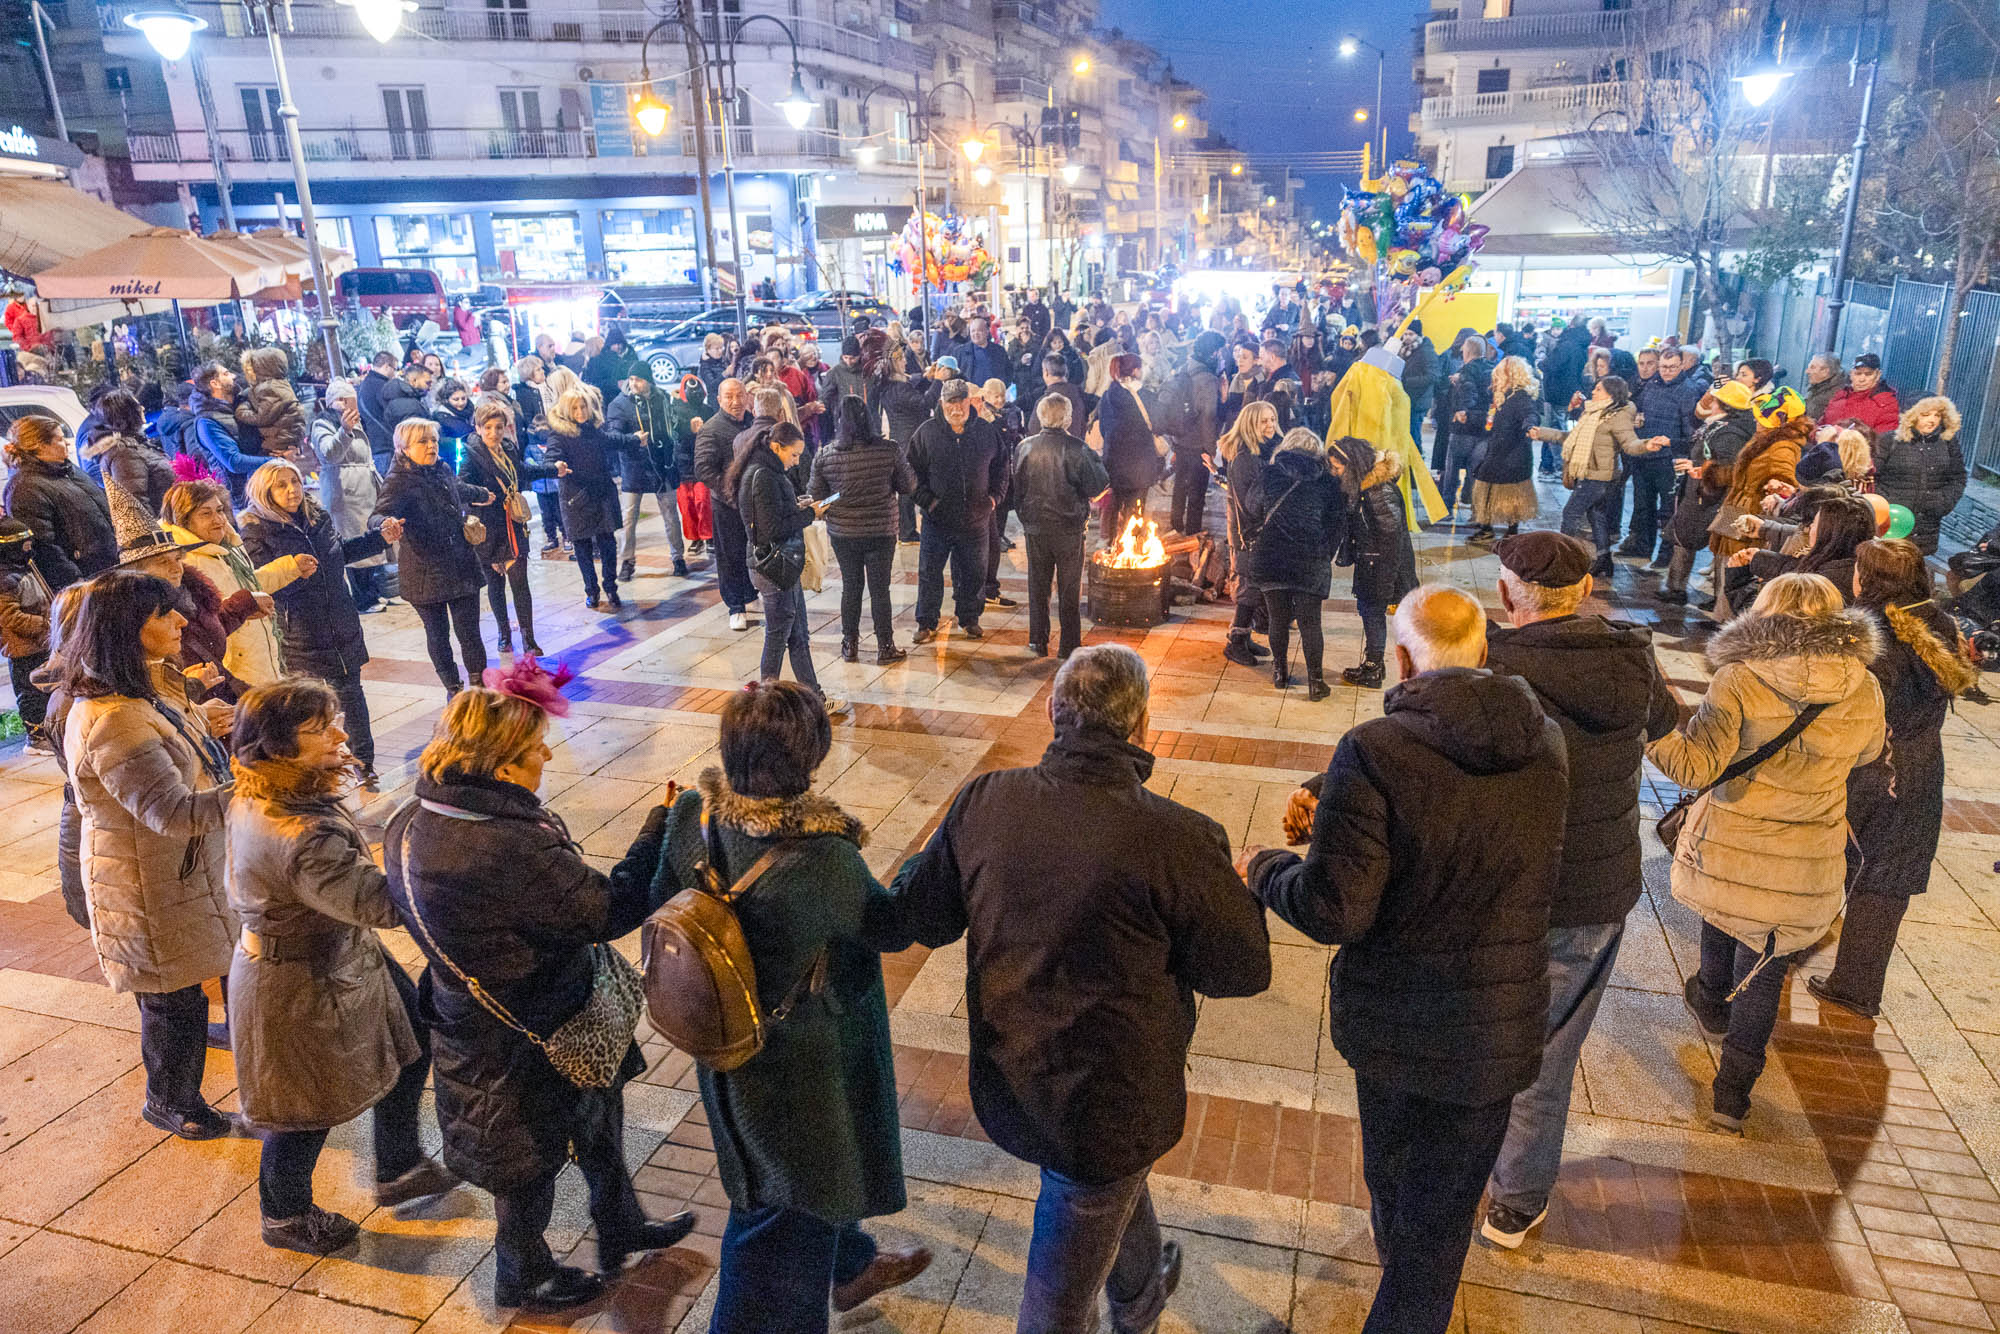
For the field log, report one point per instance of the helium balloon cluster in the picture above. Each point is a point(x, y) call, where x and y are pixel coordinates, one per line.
point(955, 253)
point(1415, 234)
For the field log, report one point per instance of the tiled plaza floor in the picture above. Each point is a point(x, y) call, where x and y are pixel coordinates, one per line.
point(1862, 1199)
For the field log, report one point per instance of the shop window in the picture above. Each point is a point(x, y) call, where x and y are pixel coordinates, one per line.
point(649, 246)
point(539, 247)
point(440, 241)
point(1494, 80)
point(1499, 161)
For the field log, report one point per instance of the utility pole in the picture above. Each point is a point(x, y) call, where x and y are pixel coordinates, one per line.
point(40, 17)
point(698, 63)
point(288, 112)
point(224, 188)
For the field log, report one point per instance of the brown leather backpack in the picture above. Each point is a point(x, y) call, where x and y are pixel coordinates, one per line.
point(700, 983)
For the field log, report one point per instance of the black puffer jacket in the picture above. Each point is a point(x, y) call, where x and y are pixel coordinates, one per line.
point(1599, 680)
point(1510, 455)
point(1925, 473)
point(316, 616)
point(510, 899)
point(436, 563)
point(639, 471)
point(401, 401)
point(70, 517)
point(1085, 946)
point(1434, 856)
point(1717, 441)
point(1244, 477)
point(1305, 513)
point(1385, 561)
point(868, 475)
point(907, 404)
point(714, 447)
point(961, 475)
point(590, 491)
point(1056, 476)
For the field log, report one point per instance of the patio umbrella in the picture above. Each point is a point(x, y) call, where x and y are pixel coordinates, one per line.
point(160, 264)
point(298, 261)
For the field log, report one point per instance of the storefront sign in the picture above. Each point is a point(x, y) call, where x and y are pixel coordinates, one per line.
point(611, 114)
point(17, 142)
point(842, 222)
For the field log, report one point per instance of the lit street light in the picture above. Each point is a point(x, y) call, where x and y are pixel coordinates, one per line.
point(1763, 85)
point(1081, 65)
point(796, 105)
point(1236, 169)
point(1070, 172)
point(973, 148)
point(380, 17)
point(168, 31)
point(983, 175)
point(1350, 46)
point(1361, 115)
point(1180, 122)
point(650, 112)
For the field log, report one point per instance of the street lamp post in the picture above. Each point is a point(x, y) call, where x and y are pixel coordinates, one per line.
point(921, 111)
point(40, 18)
point(1026, 156)
point(1348, 46)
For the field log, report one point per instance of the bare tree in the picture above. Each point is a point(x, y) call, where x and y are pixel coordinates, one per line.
point(1680, 152)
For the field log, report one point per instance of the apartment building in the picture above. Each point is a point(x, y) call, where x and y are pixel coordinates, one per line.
point(497, 142)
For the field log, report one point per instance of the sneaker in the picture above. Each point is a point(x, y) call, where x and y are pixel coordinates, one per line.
point(738, 621)
point(698, 547)
point(1000, 600)
point(317, 1231)
point(889, 1269)
point(39, 745)
point(593, 602)
point(628, 571)
point(1722, 1123)
point(1508, 1228)
point(889, 655)
point(1037, 650)
point(1714, 1027)
point(680, 567)
point(1368, 675)
point(551, 551)
point(370, 780)
point(972, 632)
point(378, 607)
point(1241, 652)
point(611, 596)
point(429, 1177)
point(835, 706)
point(204, 1122)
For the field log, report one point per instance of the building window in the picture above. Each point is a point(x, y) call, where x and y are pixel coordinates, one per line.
point(507, 19)
point(260, 123)
point(117, 79)
point(649, 246)
point(952, 62)
point(409, 121)
point(1499, 161)
point(1494, 80)
point(1498, 9)
point(521, 134)
point(539, 247)
point(440, 241)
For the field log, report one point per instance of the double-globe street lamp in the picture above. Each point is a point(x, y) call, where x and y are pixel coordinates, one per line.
point(920, 108)
point(796, 107)
point(170, 32)
point(1027, 153)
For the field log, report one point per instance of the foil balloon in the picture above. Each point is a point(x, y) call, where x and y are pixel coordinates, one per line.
point(1411, 231)
point(955, 253)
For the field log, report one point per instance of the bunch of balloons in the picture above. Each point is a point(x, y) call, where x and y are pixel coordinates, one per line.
point(1414, 234)
point(955, 254)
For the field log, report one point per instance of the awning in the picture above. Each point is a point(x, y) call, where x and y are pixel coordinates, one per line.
point(44, 222)
point(1542, 208)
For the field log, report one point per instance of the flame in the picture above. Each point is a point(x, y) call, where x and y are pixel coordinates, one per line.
point(1139, 546)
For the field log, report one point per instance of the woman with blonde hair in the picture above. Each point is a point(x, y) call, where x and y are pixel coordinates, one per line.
point(496, 893)
point(440, 570)
point(1503, 485)
point(196, 516)
point(589, 490)
point(1922, 466)
point(1243, 450)
point(1762, 856)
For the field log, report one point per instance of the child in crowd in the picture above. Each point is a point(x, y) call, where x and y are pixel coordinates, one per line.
point(24, 626)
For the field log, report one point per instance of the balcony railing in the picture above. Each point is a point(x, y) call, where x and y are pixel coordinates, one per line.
point(1564, 106)
point(1604, 28)
point(1028, 88)
point(359, 146)
point(567, 26)
point(1025, 15)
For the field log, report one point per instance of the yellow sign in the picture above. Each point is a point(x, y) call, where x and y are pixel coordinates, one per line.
point(1444, 316)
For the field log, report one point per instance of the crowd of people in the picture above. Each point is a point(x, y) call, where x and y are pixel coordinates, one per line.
point(183, 616)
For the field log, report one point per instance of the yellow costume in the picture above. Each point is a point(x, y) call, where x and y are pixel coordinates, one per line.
point(1369, 403)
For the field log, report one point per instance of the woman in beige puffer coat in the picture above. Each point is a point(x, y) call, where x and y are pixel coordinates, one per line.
point(1762, 857)
point(152, 787)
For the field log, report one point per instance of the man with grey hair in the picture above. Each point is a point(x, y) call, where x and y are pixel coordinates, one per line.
point(961, 473)
point(1598, 679)
point(1093, 911)
point(1435, 847)
point(1056, 477)
point(714, 447)
point(1823, 381)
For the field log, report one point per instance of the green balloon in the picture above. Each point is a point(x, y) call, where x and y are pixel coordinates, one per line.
point(1901, 522)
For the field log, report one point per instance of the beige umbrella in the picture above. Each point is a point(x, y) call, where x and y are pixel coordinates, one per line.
point(160, 264)
point(298, 259)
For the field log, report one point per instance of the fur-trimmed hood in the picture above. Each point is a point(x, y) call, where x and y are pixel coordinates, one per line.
point(1808, 659)
point(802, 816)
point(1946, 409)
point(1955, 675)
point(1388, 467)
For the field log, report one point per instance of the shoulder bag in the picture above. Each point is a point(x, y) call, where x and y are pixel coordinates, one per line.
point(589, 1047)
point(1670, 824)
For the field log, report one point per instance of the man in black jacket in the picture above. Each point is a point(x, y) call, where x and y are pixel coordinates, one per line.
point(1598, 679)
point(646, 467)
point(1086, 945)
point(368, 399)
point(714, 447)
point(1562, 379)
point(1055, 380)
point(1435, 848)
point(1420, 373)
point(1056, 477)
point(402, 400)
point(961, 475)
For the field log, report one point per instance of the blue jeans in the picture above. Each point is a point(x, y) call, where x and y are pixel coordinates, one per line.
point(785, 629)
point(1589, 511)
point(1464, 454)
point(962, 545)
point(1087, 1238)
point(1581, 960)
point(778, 1268)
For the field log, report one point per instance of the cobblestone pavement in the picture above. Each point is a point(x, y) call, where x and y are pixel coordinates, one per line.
point(1862, 1198)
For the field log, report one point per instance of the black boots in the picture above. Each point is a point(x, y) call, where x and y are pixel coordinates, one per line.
point(850, 649)
point(1368, 675)
point(1317, 688)
point(1239, 650)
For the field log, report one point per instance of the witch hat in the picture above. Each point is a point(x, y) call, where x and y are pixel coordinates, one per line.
point(139, 533)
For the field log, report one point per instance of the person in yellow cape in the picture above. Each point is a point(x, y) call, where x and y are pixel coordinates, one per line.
point(1369, 403)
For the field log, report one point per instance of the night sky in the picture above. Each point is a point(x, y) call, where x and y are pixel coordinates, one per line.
point(1273, 71)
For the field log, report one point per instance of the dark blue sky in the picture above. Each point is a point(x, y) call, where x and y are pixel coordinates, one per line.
point(1272, 68)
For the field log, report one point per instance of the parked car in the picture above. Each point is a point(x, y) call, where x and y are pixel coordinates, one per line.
point(51, 400)
point(677, 348)
point(410, 296)
point(823, 311)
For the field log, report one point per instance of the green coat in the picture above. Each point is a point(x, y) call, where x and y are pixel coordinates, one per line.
point(809, 1122)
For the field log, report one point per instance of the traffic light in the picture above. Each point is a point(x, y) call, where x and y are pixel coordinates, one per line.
point(1072, 129)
